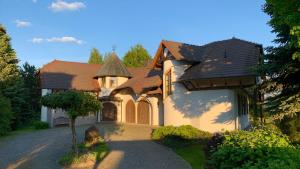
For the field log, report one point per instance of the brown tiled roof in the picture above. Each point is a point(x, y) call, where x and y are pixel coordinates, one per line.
point(113, 66)
point(227, 58)
point(69, 75)
point(144, 82)
point(182, 51)
point(80, 76)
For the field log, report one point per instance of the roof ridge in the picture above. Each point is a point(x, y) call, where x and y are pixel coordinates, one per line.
point(233, 38)
point(56, 60)
point(181, 43)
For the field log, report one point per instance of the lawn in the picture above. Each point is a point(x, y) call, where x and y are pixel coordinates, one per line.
point(193, 154)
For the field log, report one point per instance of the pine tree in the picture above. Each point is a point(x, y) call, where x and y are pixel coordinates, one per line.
point(95, 57)
point(136, 56)
point(282, 65)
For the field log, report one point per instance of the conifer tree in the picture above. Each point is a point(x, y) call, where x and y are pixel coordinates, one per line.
point(95, 57)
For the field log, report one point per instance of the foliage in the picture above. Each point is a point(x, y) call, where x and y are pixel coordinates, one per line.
point(11, 83)
point(136, 56)
point(95, 57)
point(87, 152)
point(258, 148)
point(179, 136)
point(256, 138)
point(31, 92)
point(40, 125)
point(8, 60)
point(75, 103)
point(5, 115)
point(184, 131)
point(291, 127)
point(282, 64)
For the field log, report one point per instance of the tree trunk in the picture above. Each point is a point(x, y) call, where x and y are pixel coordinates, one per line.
point(74, 141)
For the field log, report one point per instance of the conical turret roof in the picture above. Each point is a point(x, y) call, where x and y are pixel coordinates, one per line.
point(113, 66)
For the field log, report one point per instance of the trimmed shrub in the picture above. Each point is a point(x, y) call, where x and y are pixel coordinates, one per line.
point(179, 136)
point(255, 149)
point(184, 132)
point(40, 125)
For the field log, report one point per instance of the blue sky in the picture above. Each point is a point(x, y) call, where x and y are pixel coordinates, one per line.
point(44, 30)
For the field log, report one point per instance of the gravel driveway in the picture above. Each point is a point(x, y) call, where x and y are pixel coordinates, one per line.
point(131, 148)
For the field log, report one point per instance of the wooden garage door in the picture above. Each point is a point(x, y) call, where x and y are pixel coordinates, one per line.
point(130, 112)
point(143, 115)
point(109, 112)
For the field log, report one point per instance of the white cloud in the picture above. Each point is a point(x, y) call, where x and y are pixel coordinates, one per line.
point(37, 40)
point(61, 5)
point(22, 24)
point(65, 39)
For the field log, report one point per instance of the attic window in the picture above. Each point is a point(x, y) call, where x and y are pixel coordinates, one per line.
point(168, 83)
point(166, 51)
point(113, 82)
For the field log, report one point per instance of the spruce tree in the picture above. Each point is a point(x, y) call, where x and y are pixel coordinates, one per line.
point(282, 65)
point(95, 57)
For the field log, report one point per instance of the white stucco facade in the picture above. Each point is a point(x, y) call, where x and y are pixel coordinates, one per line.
point(208, 110)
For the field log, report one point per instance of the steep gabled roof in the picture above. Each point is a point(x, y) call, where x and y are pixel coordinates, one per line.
point(112, 66)
point(183, 51)
point(227, 58)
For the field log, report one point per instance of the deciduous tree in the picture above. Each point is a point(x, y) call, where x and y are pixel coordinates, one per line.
point(136, 56)
point(75, 104)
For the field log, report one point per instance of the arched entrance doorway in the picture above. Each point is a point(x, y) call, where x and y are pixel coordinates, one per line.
point(130, 112)
point(109, 112)
point(143, 115)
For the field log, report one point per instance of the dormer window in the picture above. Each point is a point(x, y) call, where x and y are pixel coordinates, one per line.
point(166, 51)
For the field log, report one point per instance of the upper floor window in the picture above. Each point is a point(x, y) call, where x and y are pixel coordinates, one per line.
point(243, 106)
point(168, 83)
point(103, 82)
point(113, 82)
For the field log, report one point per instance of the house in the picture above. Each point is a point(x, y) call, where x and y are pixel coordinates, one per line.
point(203, 86)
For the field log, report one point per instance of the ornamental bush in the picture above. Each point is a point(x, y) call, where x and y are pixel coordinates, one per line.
point(184, 132)
point(256, 149)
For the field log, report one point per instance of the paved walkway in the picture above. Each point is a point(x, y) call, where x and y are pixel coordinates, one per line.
point(131, 148)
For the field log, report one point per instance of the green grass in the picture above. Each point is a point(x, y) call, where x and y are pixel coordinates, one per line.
point(193, 154)
point(87, 152)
